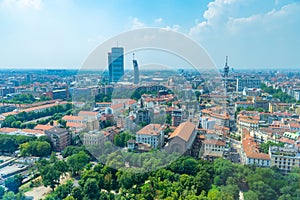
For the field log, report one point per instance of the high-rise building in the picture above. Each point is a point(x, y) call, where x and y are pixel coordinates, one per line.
point(136, 71)
point(241, 83)
point(116, 64)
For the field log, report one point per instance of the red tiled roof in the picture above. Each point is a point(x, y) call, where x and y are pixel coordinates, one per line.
point(90, 113)
point(75, 125)
point(43, 127)
point(215, 142)
point(8, 130)
point(251, 149)
point(72, 118)
point(184, 131)
point(150, 129)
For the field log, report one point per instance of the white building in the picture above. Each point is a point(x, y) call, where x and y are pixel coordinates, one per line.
point(251, 155)
point(285, 158)
point(152, 134)
point(208, 123)
point(242, 83)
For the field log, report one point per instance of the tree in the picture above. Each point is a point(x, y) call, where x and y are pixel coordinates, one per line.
point(202, 182)
point(8, 144)
point(2, 191)
point(90, 189)
point(61, 166)
point(184, 165)
point(77, 193)
point(263, 191)
point(70, 150)
point(35, 148)
point(13, 183)
point(9, 196)
point(223, 169)
point(62, 191)
point(9, 120)
point(214, 194)
point(70, 198)
point(264, 147)
point(77, 161)
point(250, 195)
point(25, 149)
point(231, 191)
point(168, 119)
point(50, 176)
point(43, 149)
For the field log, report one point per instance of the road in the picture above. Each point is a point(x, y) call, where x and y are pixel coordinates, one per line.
point(33, 121)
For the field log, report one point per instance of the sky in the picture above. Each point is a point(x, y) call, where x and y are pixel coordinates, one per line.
point(62, 33)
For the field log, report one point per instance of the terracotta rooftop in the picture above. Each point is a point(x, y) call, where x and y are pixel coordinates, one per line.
point(43, 127)
point(251, 148)
point(8, 130)
point(32, 131)
point(150, 129)
point(184, 131)
point(75, 125)
point(34, 108)
point(72, 118)
point(215, 142)
point(90, 113)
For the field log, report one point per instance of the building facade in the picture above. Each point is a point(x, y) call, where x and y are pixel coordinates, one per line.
point(60, 138)
point(285, 158)
point(116, 64)
point(151, 134)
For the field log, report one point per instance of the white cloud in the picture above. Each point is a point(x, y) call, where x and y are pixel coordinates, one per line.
point(22, 4)
point(265, 30)
point(136, 23)
point(174, 27)
point(158, 20)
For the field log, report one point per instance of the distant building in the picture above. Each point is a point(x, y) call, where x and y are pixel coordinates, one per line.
point(244, 105)
point(255, 92)
point(176, 117)
point(208, 123)
point(143, 115)
point(250, 153)
point(88, 115)
point(116, 64)
point(182, 139)
point(276, 107)
point(242, 83)
point(136, 72)
point(60, 94)
point(60, 138)
point(285, 158)
point(297, 95)
point(213, 148)
point(152, 134)
point(94, 138)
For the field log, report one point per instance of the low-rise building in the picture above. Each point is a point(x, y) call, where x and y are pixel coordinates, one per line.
point(250, 152)
point(285, 158)
point(60, 138)
point(182, 138)
point(213, 148)
point(152, 134)
point(94, 138)
point(276, 107)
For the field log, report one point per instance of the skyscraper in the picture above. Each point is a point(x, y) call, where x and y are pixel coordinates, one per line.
point(136, 71)
point(116, 64)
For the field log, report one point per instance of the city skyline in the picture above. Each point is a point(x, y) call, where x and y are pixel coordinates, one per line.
point(61, 34)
